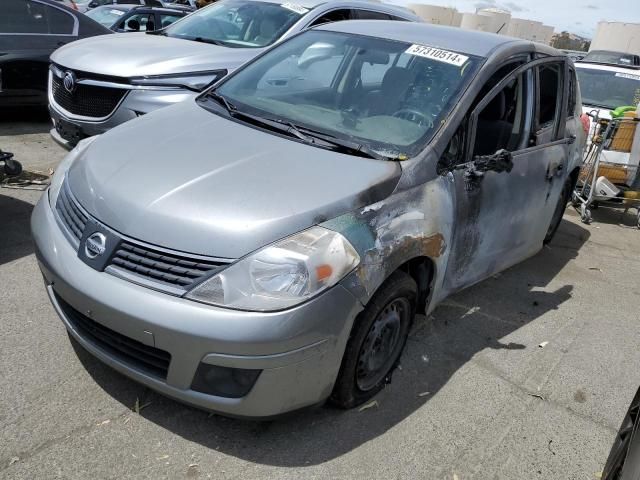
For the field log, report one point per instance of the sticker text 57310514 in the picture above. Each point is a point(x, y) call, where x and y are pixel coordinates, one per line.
point(437, 54)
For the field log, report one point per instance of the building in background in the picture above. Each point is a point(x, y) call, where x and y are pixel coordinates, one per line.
point(492, 20)
point(436, 15)
point(617, 36)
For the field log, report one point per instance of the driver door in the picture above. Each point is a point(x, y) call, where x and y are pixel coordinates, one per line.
point(502, 216)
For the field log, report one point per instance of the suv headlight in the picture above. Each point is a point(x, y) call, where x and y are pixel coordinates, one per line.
point(283, 274)
point(196, 81)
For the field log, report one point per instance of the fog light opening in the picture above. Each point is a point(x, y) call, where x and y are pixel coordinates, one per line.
point(224, 381)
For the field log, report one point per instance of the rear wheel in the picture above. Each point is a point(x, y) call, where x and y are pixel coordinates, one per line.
point(565, 196)
point(376, 342)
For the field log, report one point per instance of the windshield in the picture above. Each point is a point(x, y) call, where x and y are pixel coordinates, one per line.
point(106, 16)
point(387, 96)
point(238, 23)
point(614, 58)
point(607, 89)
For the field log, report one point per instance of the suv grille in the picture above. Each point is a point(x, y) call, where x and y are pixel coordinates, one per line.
point(142, 357)
point(177, 270)
point(71, 215)
point(165, 270)
point(86, 100)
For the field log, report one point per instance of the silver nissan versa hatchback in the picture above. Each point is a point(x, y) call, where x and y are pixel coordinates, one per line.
point(266, 246)
point(96, 85)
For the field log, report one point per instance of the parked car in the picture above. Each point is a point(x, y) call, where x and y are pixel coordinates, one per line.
point(133, 18)
point(79, 5)
point(607, 87)
point(624, 458)
point(187, 5)
point(612, 58)
point(125, 77)
point(100, 3)
point(575, 55)
point(265, 246)
point(30, 30)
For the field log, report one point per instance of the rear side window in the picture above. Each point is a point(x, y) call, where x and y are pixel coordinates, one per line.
point(571, 105)
point(549, 81)
point(369, 15)
point(335, 16)
point(26, 16)
point(60, 23)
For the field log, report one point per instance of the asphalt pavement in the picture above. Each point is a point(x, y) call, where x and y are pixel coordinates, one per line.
point(477, 396)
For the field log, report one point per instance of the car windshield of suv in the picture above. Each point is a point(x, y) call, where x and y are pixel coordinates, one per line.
point(613, 58)
point(383, 96)
point(238, 23)
point(609, 89)
point(106, 16)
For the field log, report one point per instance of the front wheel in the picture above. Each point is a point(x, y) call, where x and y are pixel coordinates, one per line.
point(376, 342)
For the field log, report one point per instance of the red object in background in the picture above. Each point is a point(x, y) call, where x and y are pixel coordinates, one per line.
point(586, 122)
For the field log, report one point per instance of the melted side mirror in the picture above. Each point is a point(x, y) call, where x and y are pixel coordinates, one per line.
point(501, 161)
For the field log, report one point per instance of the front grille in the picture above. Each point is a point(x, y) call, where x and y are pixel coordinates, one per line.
point(169, 271)
point(142, 357)
point(86, 100)
point(69, 213)
point(171, 268)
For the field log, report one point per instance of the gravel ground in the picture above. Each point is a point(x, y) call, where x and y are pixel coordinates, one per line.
point(476, 397)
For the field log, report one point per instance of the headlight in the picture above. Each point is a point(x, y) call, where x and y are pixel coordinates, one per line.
point(197, 81)
point(63, 167)
point(281, 275)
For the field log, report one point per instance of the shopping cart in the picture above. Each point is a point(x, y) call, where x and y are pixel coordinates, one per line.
point(604, 183)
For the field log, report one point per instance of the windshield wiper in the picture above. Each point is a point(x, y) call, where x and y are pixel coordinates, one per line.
point(342, 145)
point(207, 40)
point(230, 107)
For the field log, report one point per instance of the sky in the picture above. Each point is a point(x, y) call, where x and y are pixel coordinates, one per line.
point(575, 16)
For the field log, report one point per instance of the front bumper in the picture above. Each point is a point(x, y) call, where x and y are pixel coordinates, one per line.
point(299, 350)
point(136, 102)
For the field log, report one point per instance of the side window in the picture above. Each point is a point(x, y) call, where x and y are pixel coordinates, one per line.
point(571, 104)
point(501, 122)
point(140, 22)
point(549, 83)
point(334, 16)
point(60, 23)
point(370, 15)
point(166, 20)
point(26, 16)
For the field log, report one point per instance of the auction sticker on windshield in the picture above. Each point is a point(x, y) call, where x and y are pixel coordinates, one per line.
point(294, 7)
point(437, 54)
point(628, 75)
point(117, 12)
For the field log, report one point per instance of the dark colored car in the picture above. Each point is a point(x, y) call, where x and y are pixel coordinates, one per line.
point(624, 459)
point(613, 58)
point(30, 30)
point(100, 3)
point(133, 18)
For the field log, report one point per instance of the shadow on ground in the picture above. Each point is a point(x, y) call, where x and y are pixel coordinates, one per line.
point(15, 231)
point(24, 120)
point(437, 348)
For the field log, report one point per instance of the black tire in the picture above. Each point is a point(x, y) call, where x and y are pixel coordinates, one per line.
point(12, 168)
point(565, 196)
point(377, 338)
point(624, 458)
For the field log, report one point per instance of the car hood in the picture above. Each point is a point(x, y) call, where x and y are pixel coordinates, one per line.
point(187, 179)
point(136, 54)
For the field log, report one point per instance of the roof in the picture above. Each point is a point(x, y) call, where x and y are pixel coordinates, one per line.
point(373, 5)
point(133, 6)
point(448, 38)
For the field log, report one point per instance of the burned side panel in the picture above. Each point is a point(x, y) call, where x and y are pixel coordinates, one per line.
point(416, 222)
